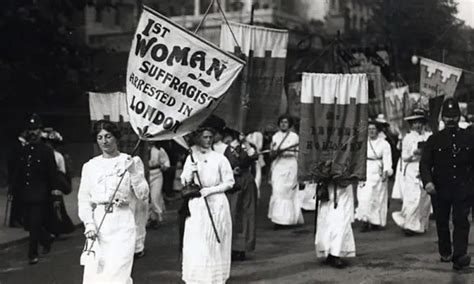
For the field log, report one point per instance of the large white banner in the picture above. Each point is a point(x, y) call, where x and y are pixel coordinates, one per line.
point(175, 79)
point(255, 100)
point(113, 107)
point(333, 127)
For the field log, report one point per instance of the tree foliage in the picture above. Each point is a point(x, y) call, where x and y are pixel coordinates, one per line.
point(40, 60)
point(424, 27)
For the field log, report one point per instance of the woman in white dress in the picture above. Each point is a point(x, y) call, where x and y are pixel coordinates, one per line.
point(115, 241)
point(159, 162)
point(373, 195)
point(415, 213)
point(204, 259)
point(285, 207)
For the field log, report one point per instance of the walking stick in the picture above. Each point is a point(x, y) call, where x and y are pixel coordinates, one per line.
point(7, 210)
point(205, 201)
point(316, 207)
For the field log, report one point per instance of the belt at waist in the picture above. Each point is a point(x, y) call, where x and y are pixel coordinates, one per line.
point(374, 159)
point(106, 204)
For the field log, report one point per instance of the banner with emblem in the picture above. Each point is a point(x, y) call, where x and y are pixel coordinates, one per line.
point(294, 98)
point(175, 79)
point(396, 106)
point(333, 128)
point(437, 82)
point(254, 100)
point(113, 107)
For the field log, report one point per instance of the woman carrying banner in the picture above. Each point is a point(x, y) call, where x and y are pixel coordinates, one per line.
point(205, 260)
point(284, 207)
point(115, 241)
point(414, 216)
point(373, 194)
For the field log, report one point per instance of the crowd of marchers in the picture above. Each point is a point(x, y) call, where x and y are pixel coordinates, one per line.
point(218, 181)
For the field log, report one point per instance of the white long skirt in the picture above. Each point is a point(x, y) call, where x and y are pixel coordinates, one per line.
point(157, 203)
point(116, 246)
point(307, 197)
point(373, 201)
point(334, 231)
point(204, 259)
point(285, 207)
point(141, 218)
point(398, 184)
point(416, 206)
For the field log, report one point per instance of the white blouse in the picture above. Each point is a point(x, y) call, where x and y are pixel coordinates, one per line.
point(290, 141)
point(214, 171)
point(99, 179)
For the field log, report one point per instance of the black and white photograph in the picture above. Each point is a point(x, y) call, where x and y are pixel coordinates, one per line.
point(236, 141)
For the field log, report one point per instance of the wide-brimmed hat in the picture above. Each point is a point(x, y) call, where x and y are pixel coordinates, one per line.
point(417, 114)
point(380, 119)
point(213, 122)
point(51, 134)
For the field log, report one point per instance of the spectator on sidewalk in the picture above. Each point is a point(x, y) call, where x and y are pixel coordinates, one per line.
point(34, 181)
point(17, 211)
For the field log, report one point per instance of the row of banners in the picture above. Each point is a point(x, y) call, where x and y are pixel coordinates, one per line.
point(176, 79)
point(438, 81)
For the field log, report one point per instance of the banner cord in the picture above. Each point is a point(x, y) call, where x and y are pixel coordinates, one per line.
point(227, 23)
point(204, 17)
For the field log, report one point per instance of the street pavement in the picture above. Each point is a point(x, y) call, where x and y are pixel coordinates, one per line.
point(282, 256)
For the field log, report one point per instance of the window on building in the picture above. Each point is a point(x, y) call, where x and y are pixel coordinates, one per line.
point(117, 16)
point(333, 4)
point(98, 15)
point(203, 5)
point(172, 11)
point(355, 23)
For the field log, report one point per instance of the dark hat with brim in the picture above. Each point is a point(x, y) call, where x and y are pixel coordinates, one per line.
point(34, 122)
point(213, 122)
point(417, 114)
point(450, 108)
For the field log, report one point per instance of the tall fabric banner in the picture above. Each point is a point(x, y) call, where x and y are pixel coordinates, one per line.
point(175, 79)
point(254, 100)
point(113, 107)
point(333, 129)
point(437, 82)
point(396, 106)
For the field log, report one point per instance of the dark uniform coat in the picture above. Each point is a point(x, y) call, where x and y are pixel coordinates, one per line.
point(34, 173)
point(448, 162)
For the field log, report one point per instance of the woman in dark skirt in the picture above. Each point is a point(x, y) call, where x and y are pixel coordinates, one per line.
point(59, 222)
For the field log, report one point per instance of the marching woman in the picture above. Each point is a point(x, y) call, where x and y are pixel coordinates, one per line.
point(373, 195)
point(115, 239)
point(159, 162)
point(205, 260)
point(414, 216)
point(284, 207)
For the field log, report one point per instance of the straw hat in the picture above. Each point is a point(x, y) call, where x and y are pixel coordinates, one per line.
point(417, 114)
point(380, 119)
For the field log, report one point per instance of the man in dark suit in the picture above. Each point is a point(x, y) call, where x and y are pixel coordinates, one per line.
point(447, 172)
point(33, 180)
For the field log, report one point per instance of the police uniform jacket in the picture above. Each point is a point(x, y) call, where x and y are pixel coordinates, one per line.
point(34, 173)
point(448, 161)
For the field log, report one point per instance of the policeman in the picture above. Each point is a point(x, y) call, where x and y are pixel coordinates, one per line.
point(447, 172)
point(34, 181)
